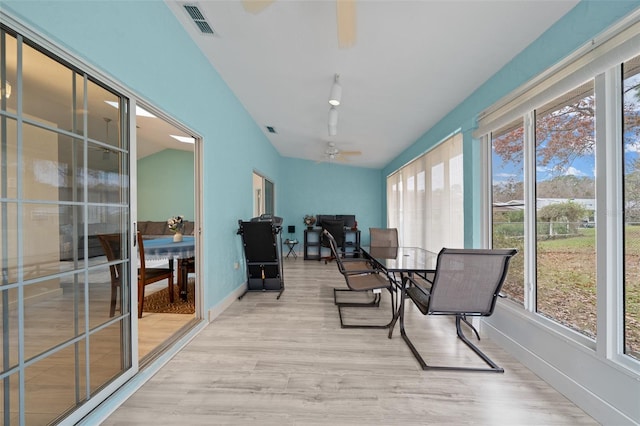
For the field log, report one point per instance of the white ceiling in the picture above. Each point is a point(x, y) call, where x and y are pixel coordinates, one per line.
point(412, 63)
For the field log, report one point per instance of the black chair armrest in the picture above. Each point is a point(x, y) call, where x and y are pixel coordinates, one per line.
point(417, 293)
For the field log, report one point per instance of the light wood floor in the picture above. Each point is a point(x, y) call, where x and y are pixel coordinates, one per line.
point(288, 362)
point(156, 328)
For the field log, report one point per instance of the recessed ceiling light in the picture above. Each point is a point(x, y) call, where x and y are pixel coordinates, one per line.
point(140, 112)
point(184, 139)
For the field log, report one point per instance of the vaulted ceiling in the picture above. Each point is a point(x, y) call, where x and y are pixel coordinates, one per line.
point(410, 64)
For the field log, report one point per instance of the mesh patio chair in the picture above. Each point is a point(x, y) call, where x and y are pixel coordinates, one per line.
point(383, 237)
point(467, 283)
point(362, 278)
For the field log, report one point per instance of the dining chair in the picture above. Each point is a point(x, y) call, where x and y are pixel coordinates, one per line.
point(366, 279)
point(112, 247)
point(148, 276)
point(186, 266)
point(383, 237)
point(466, 283)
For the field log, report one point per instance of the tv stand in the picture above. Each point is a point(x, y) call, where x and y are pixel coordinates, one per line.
point(313, 248)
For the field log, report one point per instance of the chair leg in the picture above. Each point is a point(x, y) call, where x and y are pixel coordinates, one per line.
point(343, 325)
point(140, 298)
point(464, 319)
point(171, 288)
point(477, 350)
point(374, 303)
point(170, 279)
point(493, 367)
point(114, 298)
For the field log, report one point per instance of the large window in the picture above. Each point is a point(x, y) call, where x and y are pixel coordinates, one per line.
point(425, 198)
point(508, 202)
point(631, 149)
point(573, 215)
point(565, 210)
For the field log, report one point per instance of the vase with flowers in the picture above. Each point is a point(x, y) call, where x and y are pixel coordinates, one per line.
point(176, 225)
point(309, 220)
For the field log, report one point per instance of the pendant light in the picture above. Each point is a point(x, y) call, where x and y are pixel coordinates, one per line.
point(333, 121)
point(336, 91)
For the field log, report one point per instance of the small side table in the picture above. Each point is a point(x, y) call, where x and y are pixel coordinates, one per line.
point(291, 244)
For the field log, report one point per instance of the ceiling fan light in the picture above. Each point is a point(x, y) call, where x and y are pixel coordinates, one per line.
point(336, 92)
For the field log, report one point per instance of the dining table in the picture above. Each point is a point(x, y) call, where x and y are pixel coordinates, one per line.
point(167, 249)
point(400, 262)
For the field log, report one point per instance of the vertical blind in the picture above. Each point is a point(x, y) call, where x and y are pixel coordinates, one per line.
point(425, 198)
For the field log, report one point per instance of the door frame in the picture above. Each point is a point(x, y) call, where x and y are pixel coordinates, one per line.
point(105, 401)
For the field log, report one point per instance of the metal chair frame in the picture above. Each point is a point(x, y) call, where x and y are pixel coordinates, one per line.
point(363, 277)
point(440, 299)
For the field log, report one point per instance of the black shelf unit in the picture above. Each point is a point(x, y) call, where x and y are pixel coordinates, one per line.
point(313, 249)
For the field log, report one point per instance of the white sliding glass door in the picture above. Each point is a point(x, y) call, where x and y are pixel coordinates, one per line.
point(65, 323)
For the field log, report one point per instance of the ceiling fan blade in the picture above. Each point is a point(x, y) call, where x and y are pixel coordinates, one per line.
point(256, 6)
point(346, 19)
point(351, 152)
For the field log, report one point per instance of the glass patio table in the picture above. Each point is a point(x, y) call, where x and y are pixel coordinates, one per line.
point(402, 261)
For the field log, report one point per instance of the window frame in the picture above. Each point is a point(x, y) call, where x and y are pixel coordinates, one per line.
point(605, 68)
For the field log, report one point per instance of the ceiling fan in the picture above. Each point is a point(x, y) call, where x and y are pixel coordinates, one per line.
point(345, 17)
point(332, 153)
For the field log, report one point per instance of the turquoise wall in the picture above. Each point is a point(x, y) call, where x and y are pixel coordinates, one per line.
point(166, 186)
point(142, 45)
point(146, 49)
point(581, 24)
point(328, 188)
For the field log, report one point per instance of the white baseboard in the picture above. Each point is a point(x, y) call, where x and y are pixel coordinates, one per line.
point(226, 302)
point(593, 384)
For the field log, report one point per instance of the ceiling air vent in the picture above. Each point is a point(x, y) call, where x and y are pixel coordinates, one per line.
point(198, 18)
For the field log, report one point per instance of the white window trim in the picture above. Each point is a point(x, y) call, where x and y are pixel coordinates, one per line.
point(595, 374)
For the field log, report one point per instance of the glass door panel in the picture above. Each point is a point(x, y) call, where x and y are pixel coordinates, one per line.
point(59, 191)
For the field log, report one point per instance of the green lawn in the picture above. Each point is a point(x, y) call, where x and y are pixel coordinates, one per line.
point(566, 281)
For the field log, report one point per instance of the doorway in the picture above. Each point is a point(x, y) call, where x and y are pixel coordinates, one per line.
point(166, 169)
point(263, 195)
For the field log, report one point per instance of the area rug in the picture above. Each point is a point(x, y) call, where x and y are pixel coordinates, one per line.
point(158, 302)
